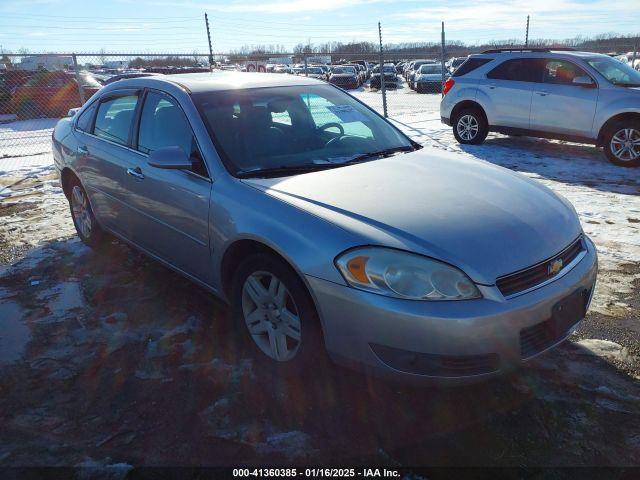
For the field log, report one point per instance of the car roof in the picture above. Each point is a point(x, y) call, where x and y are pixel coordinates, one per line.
point(221, 80)
point(549, 53)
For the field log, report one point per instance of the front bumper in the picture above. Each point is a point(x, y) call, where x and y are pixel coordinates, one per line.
point(375, 333)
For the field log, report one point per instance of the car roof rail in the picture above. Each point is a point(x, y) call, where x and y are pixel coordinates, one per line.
point(530, 49)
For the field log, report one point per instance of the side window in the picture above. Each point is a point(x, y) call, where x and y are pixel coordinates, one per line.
point(560, 72)
point(517, 70)
point(86, 117)
point(114, 118)
point(164, 124)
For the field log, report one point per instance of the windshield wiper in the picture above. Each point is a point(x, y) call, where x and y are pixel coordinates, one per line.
point(285, 170)
point(381, 153)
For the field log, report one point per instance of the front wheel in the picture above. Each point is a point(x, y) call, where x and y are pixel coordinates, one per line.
point(470, 126)
point(274, 315)
point(622, 144)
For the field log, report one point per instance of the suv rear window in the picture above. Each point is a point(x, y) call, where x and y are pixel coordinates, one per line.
point(470, 65)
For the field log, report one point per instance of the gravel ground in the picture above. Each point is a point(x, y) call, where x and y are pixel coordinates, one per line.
point(107, 358)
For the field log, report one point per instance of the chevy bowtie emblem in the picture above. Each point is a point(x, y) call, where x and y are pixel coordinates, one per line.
point(555, 267)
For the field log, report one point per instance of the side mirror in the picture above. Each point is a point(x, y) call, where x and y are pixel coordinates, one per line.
point(584, 81)
point(172, 158)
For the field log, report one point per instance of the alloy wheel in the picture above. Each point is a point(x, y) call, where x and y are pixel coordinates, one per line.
point(271, 316)
point(467, 127)
point(81, 211)
point(625, 144)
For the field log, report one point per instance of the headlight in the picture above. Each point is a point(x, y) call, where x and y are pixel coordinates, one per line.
point(399, 274)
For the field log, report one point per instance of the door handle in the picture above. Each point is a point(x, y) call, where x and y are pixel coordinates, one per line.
point(135, 172)
point(491, 87)
point(543, 94)
point(82, 150)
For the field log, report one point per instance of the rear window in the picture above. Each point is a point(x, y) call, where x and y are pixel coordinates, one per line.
point(470, 65)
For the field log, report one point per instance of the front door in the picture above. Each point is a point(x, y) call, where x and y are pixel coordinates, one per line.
point(559, 105)
point(171, 206)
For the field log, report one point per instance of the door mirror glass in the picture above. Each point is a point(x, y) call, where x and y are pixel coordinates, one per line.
point(583, 81)
point(172, 158)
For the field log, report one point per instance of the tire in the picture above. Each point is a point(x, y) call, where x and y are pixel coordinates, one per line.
point(84, 220)
point(471, 117)
point(622, 143)
point(254, 303)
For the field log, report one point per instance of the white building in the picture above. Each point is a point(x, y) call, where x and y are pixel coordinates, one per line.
point(47, 62)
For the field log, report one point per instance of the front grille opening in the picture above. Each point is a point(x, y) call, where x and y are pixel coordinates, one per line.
point(532, 276)
point(537, 338)
point(437, 365)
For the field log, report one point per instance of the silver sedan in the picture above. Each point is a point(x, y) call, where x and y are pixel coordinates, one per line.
point(325, 228)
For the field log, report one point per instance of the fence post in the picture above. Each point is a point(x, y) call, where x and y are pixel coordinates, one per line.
point(306, 74)
point(384, 91)
point(442, 55)
point(633, 58)
point(206, 21)
point(76, 67)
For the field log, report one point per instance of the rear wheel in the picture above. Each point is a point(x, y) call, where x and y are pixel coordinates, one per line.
point(274, 316)
point(470, 126)
point(84, 220)
point(622, 144)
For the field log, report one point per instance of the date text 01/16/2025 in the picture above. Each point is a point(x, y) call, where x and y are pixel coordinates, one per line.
point(316, 472)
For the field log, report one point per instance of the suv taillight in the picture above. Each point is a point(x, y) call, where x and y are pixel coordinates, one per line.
point(447, 85)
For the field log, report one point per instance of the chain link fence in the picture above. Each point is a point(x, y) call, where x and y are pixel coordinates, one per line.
point(37, 89)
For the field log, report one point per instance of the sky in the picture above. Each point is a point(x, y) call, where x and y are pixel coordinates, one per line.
point(172, 26)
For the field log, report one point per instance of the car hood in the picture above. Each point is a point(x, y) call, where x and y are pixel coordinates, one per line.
point(485, 219)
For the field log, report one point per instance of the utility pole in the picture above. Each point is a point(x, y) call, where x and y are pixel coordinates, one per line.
point(206, 20)
point(384, 92)
point(526, 35)
point(635, 53)
point(442, 55)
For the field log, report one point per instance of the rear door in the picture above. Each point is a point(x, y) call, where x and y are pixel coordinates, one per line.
point(104, 159)
point(507, 90)
point(558, 105)
point(171, 207)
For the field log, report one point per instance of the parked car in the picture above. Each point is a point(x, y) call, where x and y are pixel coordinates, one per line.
point(51, 94)
point(345, 76)
point(576, 96)
point(366, 68)
point(411, 74)
point(362, 77)
point(314, 72)
point(454, 62)
point(428, 78)
point(390, 76)
point(9, 81)
point(431, 266)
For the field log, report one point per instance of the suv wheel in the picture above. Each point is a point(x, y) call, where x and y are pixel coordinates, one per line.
point(622, 144)
point(274, 315)
point(470, 126)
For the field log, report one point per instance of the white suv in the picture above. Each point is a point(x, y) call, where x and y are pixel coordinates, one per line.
point(563, 94)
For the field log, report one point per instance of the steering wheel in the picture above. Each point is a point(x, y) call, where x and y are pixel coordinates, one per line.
point(331, 125)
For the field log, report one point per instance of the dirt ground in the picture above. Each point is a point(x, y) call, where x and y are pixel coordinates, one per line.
point(107, 358)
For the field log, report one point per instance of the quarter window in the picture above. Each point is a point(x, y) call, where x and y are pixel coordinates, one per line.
point(114, 119)
point(517, 70)
point(85, 118)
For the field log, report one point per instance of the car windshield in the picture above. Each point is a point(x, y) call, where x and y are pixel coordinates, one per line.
point(314, 70)
point(616, 72)
point(387, 69)
point(430, 69)
point(281, 131)
point(343, 70)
